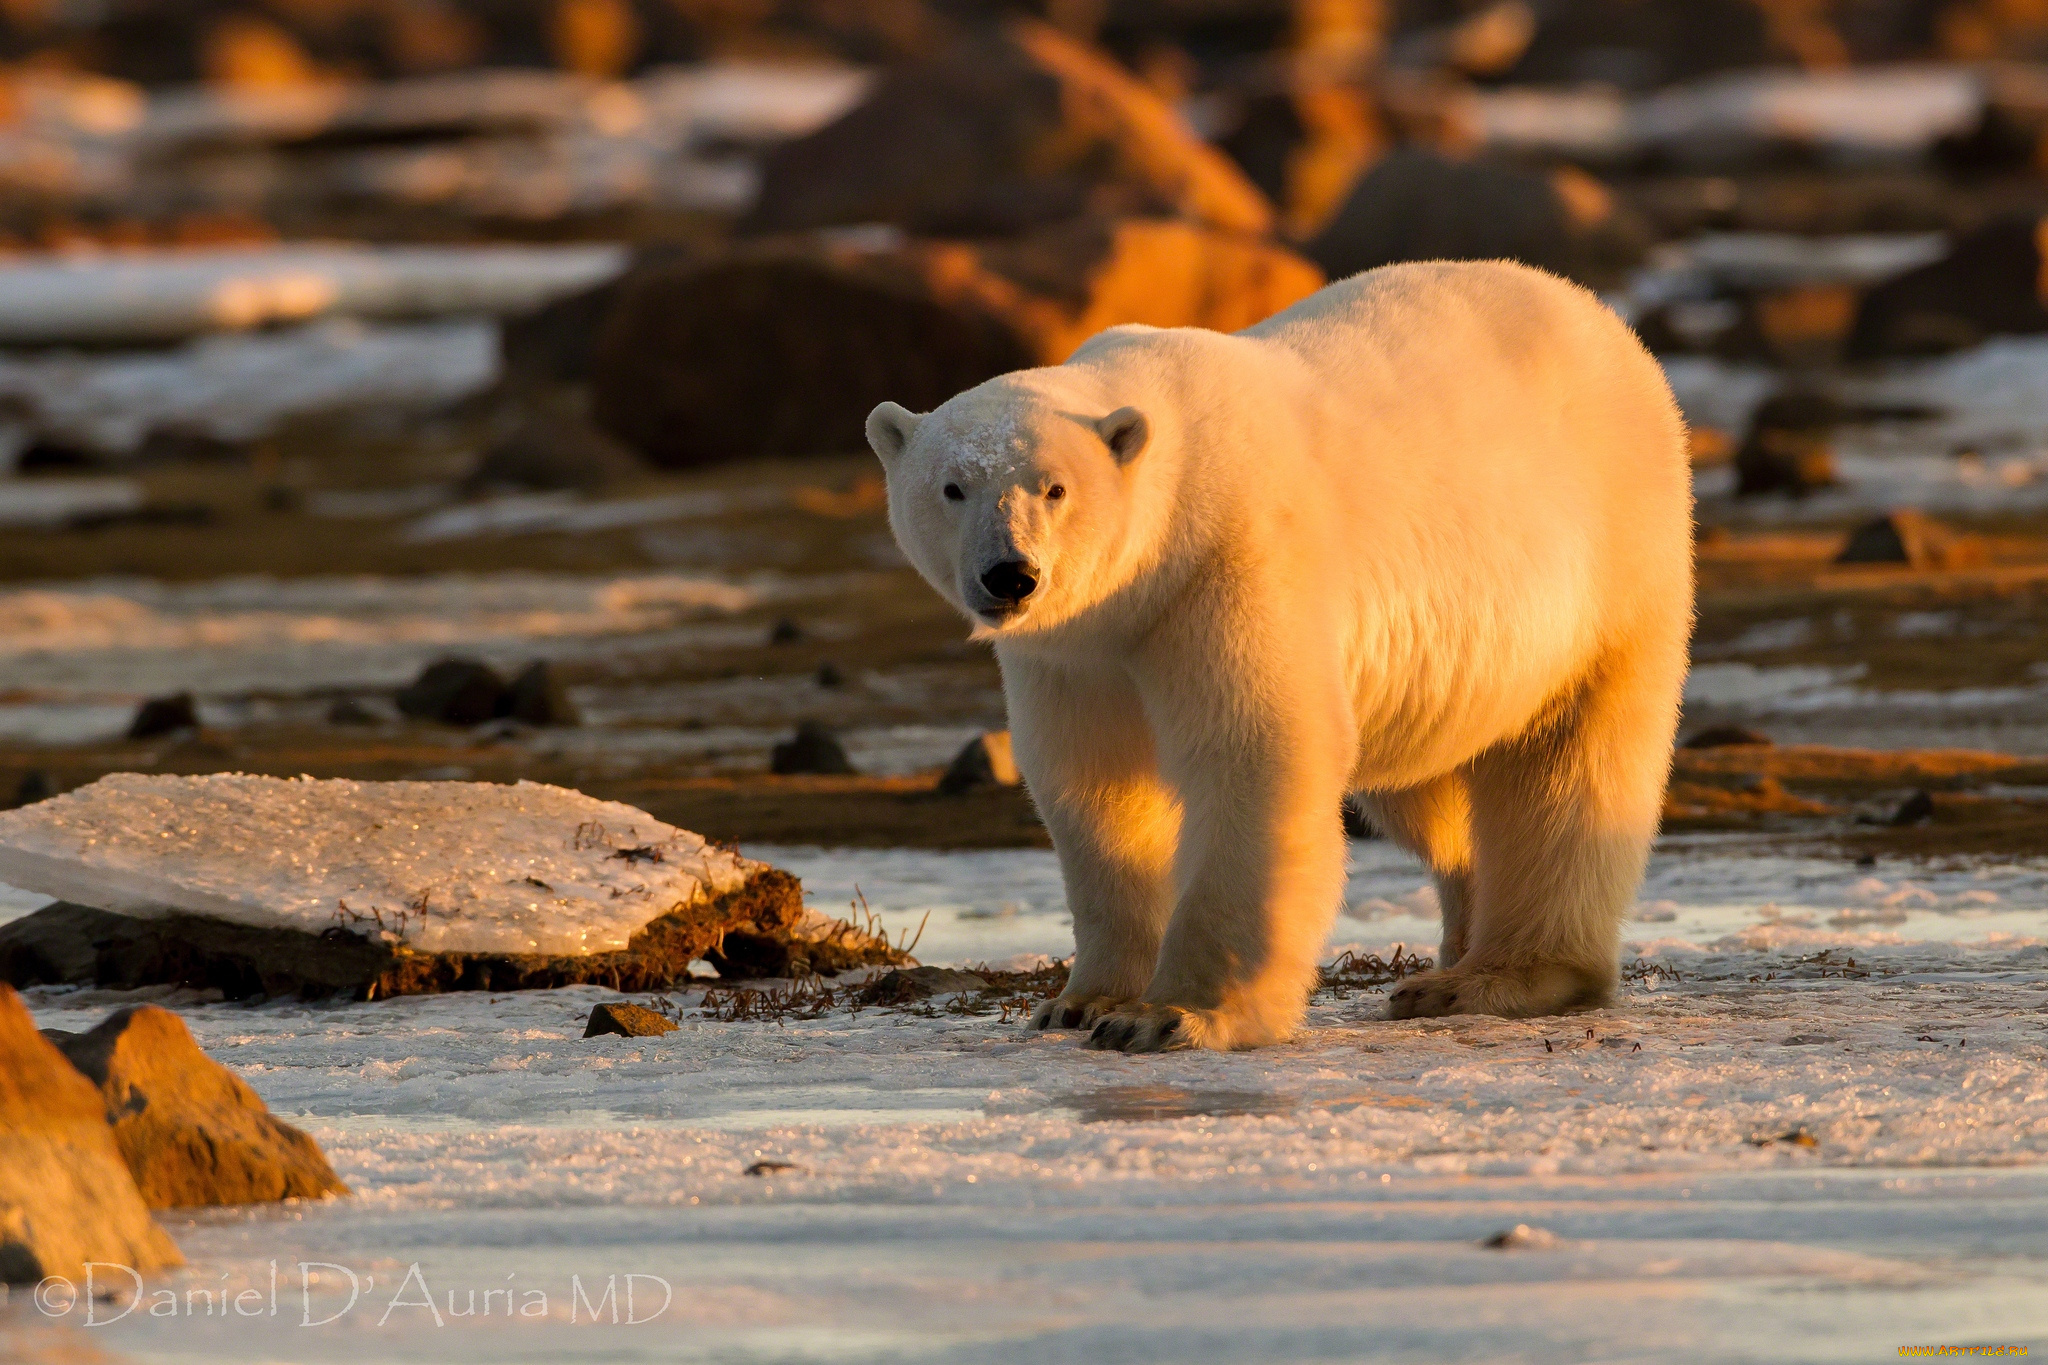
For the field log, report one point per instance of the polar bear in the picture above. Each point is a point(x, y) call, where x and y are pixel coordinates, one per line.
point(1424, 537)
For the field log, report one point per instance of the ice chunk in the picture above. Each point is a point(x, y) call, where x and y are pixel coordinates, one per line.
point(442, 866)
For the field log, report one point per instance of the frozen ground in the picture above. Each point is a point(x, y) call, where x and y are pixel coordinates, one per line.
point(1770, 1157)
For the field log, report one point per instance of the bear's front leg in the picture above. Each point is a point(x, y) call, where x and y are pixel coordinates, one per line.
point(1087, 756)
point(1261, 862)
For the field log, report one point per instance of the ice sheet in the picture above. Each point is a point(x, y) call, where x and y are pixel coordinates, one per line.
point(441, 866)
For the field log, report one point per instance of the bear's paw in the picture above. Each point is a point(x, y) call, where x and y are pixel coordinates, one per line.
point(1076, 1011)
point(1510, 993)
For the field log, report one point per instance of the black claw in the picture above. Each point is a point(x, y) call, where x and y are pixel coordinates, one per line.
point(1172, 1027)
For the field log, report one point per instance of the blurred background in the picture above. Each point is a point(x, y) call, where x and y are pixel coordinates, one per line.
point(474, 387)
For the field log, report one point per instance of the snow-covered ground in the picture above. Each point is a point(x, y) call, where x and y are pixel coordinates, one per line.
point(1769, 1157)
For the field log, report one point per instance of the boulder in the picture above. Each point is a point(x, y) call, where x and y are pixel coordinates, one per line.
point(631, 1021)
point(538, 696)
point(553, 451)
point(783, 347)
point(65, 1196)
point(986, 761)
point(261, 886)
point(1009, 130)
point(812, 749)
point(454, 692)
point(1416, 204)
point(1726, 737)
point(191, 1131)
point(1990, 283)
point(160, 716)
point(1910, 537)
point(1787, 449)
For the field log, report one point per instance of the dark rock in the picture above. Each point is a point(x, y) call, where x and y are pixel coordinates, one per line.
point(191, 1131)
point(1009, 131)
point(539, 697)
point(785, 632)
point(66, 1196)
point(160, 716)
point(783, 347)
point(1787, 449)
point(1420, 205)
point(920, 983)
point(454, 692)
point(1726, 737)
point(349, 711)
point(1988, 284)
point(830, 676)
point(986, 761)
point(1910, 537)
point(813, 749)
point(554, 451)
point(1916, 809)
point(630, 1020)
point(34, 786)
point(760, 923)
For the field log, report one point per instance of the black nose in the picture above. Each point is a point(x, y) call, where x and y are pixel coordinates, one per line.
point(1010, 581)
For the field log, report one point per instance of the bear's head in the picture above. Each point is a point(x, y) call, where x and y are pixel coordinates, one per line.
point(1013, 499)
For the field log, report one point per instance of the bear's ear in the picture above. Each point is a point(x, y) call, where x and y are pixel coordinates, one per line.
point(890, 427)
point(1125, 432)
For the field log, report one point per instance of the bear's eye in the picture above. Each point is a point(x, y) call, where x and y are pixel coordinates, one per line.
point(1056, 492)
point(953, 493)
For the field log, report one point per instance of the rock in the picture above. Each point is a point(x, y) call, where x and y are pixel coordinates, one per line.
point(830, 676)
point(813, 749)
point(785, 632)
point(552, 451)
point(454, 692)
point(1421, 205)
point(986, 761)
point(65, 1196)
point(33, 787)
point(1726, 737)
point(1007, 131)
point(1787, 449)
point(630, 1020)
point(1522, 1237)
point(920, 983)
point(782, 347)
point(260, 886)
point(160, 716)
point(1916, 809)
point(539, 697)
point(350, 711)
point(1911, 537)
point(191, 1131)
point(1988, 284)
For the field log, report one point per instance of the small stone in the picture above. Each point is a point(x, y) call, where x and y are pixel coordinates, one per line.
point(814, 749)
point(33, 787)
point(1727, 737)
point(1916, 809)
point(763, 1168)
point(1522, 1237)
point(830, 676)
point(1906, 536)
point(986, 761)
point(921, 983)
point(454, 692)
point(161, 716)
point(785, 632)
point(349, 711)
point(539, 697)
point(631, 1021)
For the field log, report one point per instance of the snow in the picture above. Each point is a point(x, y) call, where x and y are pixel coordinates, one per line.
point(239, 387)
point(44, 503)
point(442, 866)
point(146, 295)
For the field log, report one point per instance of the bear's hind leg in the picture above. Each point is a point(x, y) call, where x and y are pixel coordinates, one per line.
point(1562, 818)
point(1433, 820)
point(1086, 754)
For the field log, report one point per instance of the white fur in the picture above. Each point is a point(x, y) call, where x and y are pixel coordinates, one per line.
point(1424, 536)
